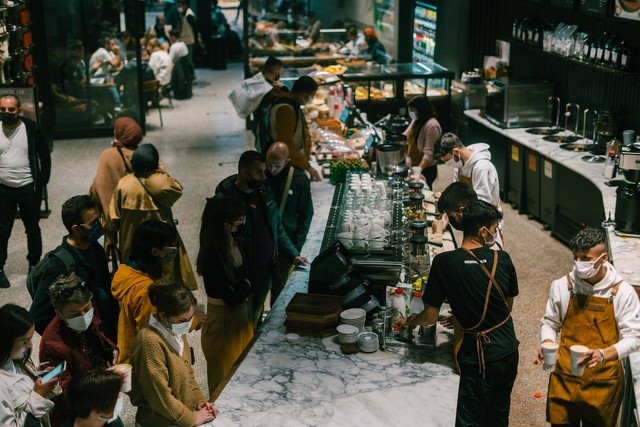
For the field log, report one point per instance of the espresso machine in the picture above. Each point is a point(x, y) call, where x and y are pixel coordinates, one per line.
point(627, 215)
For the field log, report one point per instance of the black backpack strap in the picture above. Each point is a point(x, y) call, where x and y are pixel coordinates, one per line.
point(67, 259)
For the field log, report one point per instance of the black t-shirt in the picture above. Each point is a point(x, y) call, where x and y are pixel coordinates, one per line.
point(456, 276)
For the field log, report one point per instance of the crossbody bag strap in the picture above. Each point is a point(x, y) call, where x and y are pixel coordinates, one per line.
point(124, 160)
point(285, 195)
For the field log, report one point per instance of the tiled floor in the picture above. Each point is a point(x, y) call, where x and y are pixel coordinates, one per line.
point(204, 132)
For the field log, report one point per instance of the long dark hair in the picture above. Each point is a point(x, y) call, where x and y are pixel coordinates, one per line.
point(151, 234)
point(214, 239)
point(15, 321)
point(425, 112)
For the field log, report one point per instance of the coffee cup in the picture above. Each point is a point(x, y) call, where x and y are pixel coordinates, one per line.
point(416, 172)
point(124, 370)
point(550, 355)
point(577, 351)
point(346, 227)
point(361, 244)
point(376, 244)
point(374, 233)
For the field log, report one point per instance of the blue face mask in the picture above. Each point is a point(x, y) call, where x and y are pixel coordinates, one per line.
point(170, 254)
point(95, 232)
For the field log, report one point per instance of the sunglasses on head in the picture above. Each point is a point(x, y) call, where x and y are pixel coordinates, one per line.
point(68, 292)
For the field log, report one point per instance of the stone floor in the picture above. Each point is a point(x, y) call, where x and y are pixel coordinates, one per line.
point(199, 144)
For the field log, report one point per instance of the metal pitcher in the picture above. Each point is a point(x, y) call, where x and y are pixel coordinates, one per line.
point(427, 335)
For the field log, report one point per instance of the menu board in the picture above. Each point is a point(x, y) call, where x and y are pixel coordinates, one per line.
point(597, 7)
point(562, 3)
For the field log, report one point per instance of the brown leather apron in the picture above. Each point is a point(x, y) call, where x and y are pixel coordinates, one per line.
point(481, 336)
point(414, 153)
point(597, 394)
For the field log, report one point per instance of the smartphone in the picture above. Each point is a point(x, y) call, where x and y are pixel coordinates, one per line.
point(55, 372)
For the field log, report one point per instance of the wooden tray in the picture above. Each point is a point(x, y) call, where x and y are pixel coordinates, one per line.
point(314, 304)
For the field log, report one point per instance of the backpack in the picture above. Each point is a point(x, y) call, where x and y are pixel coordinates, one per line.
point(262, 119)
point(35, 276)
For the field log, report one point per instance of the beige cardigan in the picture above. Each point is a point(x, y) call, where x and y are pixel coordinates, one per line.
point(163, 384)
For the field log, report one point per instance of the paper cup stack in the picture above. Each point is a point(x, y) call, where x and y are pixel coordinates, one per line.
point(355, 317)
point(368, 342)
point(348, 334)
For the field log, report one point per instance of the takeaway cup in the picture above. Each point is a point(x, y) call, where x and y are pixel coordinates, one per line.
point(577, 351)
point(550, 354)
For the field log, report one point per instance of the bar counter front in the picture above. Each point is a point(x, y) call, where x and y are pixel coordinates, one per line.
point(312, 383)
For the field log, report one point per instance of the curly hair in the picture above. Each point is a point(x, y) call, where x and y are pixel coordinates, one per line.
point(60, 298)
point(586, 239)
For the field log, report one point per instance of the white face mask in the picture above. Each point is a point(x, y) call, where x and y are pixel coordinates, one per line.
point(493, 238)
point(116, 411)
point(587, 269)
point(413, 115)
point(453, 163)
point(182, 328)
point(80, 323)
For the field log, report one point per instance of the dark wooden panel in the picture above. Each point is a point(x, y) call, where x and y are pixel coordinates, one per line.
point(576, 83)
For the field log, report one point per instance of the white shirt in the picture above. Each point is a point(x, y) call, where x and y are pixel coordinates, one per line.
point(178, 50)
point(626, 307)
point(17, 398)
point(103, 56)
point(14, 158)
point(162, 65)
point(175, 341)
point(354, 47)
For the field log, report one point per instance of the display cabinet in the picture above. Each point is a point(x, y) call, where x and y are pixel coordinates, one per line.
point(384, 89)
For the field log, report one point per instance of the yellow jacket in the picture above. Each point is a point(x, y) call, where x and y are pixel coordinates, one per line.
point(131, 288)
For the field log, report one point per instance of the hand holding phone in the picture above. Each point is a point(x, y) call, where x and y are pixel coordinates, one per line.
point(55, 372)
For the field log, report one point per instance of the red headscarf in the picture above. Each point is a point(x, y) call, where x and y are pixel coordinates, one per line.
point(370, 32)
point(127, 133)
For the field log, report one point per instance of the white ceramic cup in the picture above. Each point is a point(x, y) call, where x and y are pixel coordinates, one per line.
point(375, 234)
point(550, 354)
point(577, 351)
point(376, 243)
point(361, 244)
point(416, 171)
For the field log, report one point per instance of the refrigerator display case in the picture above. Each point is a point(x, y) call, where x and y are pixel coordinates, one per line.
point(384, 89)
point(425, 18)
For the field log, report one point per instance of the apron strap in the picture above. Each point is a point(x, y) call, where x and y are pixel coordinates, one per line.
point(614, 291)
point(481, 336)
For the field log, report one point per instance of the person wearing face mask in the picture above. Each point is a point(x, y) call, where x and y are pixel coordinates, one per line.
point(480, 284)
point(154, 244)
point(148, 193)
point(74, 336)
point(453, 200)
point(114, 163)
point(228, 328)
point(24, 397)
point(422, 133)
point(592, 306)
point(79, 253)
point(163, 385)
point(25, 167)
point(292, 191)
point(287, 124)
point(94, 399)
point(263, 238)
point(472, 166)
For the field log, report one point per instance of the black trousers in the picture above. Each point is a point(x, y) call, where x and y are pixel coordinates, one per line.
point(29, 202)
point(260, 287)
point(486, 402)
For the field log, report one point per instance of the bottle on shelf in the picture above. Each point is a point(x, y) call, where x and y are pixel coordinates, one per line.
point(625, 56)
point(608, 48)
point(610, 165)
point(398, 301)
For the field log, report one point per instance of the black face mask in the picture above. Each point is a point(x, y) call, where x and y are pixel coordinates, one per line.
point(255, 184)
point(455, 223)
point(9, 118)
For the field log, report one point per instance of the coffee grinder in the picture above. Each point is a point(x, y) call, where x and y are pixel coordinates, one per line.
point(608, 127)
point(628, 195)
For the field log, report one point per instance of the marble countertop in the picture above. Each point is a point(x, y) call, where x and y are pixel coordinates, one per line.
point(312, 383)
point(625, 251)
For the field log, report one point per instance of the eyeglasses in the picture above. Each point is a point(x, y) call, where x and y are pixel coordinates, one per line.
point(68, 292)
point(8, 109)
point(92, 223)
point(170, 248)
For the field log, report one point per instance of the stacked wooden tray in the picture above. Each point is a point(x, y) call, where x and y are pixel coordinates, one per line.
point(313, 315)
